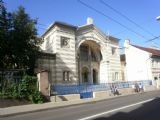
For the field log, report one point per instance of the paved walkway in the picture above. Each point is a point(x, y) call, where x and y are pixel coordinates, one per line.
point(50, 105)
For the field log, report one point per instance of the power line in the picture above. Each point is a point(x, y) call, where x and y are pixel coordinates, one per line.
point(41, 28)
point(156, 43)
point(119, 32)
point(153, 39)
point(127, 18)
point(103, 14)
point(42, 24)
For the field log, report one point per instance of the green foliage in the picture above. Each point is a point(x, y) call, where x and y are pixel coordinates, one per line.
point(15, 91)
point(27, 86)
point(18, 49)
point(5, 26)
point(24, 39)
point(27, 90)
point(37, 97)
point(19, 43)
point(10, 91)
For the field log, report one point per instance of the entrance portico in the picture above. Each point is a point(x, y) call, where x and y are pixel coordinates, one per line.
point(89, 62)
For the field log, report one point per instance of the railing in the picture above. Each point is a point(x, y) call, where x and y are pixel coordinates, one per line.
point(77, 89)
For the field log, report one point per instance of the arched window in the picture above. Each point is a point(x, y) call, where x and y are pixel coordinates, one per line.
point(85, 73)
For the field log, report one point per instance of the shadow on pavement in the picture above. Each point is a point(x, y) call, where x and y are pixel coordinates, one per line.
point(147, 111)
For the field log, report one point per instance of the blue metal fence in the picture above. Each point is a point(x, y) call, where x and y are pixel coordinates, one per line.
point(82, 88)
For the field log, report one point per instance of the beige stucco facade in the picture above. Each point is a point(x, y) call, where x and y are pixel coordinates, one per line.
point(83, 54)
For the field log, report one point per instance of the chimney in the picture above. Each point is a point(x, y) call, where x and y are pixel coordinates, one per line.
point(126, 43)
point(89, 21)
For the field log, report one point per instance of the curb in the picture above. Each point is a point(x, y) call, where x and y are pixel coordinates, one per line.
point(90, 101)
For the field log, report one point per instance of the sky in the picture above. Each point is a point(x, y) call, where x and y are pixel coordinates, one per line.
point(141, 12)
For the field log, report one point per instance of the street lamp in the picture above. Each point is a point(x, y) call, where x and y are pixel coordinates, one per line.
point(158, 18)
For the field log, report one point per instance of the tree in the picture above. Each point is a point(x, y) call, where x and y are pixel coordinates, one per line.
point(19, 43)
point(5, 26)
point(25, 42)
point(2, 31)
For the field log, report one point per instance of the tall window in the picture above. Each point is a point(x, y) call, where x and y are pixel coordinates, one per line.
point(85, 75)
point(156, 63)
point(152, 63)
point(115, 76)
point(48, 44)
point(84, 53)
point(93, 56)
point(113, 51)
point(66, 75)
point(64, 41)
point(95, 80)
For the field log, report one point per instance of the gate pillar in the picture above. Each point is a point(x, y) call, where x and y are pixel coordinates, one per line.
point(43, 83)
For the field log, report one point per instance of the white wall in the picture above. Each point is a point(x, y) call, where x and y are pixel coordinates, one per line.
point(137, 64)
point(49, 45)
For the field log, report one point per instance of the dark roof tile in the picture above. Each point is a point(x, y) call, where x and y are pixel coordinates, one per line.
point(154, 52)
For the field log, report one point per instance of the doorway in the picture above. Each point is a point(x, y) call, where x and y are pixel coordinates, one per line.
point(85, 75)
point(95, 76)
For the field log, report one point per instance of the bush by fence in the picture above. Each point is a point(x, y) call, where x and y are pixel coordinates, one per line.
point(26, 88)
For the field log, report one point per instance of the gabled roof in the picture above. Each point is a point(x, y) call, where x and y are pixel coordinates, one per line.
point(97, 29)
point(58, 23)
point(154, 52)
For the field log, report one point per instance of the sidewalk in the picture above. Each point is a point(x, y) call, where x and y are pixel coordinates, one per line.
point(51, 105)
point(38, 107)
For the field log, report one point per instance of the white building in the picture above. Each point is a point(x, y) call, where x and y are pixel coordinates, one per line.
point(141, 63)
point(79, 54)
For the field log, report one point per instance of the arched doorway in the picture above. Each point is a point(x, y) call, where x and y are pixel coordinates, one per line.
point(89, 56)
point(95, 76)
point(85, 75)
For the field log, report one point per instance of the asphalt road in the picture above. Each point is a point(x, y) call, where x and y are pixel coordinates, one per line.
point(145, 106)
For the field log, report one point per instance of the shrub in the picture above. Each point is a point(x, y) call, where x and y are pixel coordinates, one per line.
point(27, 86)
point(37, 97)
point(27, 89)
point(15, 91)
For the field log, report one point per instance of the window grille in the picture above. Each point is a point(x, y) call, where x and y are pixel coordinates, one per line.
point(64, 41)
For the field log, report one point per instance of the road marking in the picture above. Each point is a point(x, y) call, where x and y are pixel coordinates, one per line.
point(117, 109)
